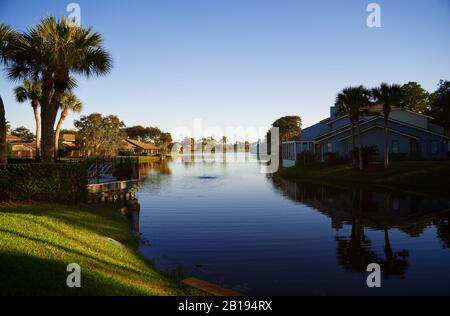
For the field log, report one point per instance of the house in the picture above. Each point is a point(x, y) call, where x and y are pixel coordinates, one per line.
point(411, 135)
point(69, 144)
point(139, 148)
point(21, 149)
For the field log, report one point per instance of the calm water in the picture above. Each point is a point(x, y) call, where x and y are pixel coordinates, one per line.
point(221, 220)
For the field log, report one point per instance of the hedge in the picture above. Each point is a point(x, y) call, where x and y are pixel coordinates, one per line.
point(60, 182)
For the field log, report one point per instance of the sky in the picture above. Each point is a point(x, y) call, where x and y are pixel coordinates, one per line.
point(242, 63)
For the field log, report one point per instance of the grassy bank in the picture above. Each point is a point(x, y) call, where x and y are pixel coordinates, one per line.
point(426, 175)
point(149, 159)
point(38, 241)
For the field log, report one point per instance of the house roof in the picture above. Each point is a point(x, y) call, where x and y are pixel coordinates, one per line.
point(146, 146)
point(69, 137)
point(14, 139)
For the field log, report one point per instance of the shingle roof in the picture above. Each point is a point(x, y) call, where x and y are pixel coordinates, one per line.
point(146, 146)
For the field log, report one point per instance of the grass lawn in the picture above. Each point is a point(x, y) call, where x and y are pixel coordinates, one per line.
point(424, 175)
point(147, 159)
point(38, 241)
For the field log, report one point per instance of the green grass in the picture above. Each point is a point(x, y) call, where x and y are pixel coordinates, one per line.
point(148, 159)
point(424, 175)
point(38, 241)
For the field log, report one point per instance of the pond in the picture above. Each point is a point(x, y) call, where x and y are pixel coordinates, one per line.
point(220, 219)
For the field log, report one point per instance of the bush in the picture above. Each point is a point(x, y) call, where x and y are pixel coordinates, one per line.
point(60, 182)
point(334, 159)
point(397, 157)
point(305, 158)
point(368, 154)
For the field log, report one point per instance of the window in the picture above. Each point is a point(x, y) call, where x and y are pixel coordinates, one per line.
point(330, 147)
point(305, 147)
point(395, 147)
point(434, 147)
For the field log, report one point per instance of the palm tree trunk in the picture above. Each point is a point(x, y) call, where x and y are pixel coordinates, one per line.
point(35, 105)
point(386, 145)
point(63, 116)
point(352, 124)
point(361, 167)
point(48, 117)
point(3, 145)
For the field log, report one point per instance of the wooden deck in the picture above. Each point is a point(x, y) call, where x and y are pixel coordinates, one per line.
point(112, 191)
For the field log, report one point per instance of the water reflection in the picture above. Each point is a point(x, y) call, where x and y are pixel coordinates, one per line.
point(131, 211)
point(374, 208)
point(223, 221)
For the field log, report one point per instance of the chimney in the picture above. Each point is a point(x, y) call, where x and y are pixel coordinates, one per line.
point(333, 111)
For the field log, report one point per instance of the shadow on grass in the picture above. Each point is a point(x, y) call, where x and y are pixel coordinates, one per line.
point(27, 275)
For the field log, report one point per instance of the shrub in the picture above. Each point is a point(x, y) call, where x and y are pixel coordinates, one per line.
point(305, 158)
point(60, 182)
point(334, 158)
point(368, 154)
point(397, 157)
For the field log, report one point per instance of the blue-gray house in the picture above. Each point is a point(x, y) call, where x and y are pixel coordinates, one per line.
point(410, 133)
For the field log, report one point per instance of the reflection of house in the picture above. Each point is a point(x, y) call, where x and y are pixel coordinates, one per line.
point(139, 148)
point(21, 149)
point(410, 135)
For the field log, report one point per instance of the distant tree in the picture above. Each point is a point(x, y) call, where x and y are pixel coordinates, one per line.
point(164, 141)
point(69, 102)
point(390, 96)
point(8, 127)
point(134, 132)
point(417, 99)
point(31, 90)
point(290, 127)
point(146, 134)
point(24, 133)
point(99, 135)
point(440, 105)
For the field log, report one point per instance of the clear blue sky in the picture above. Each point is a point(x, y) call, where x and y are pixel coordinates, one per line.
point(243, 62)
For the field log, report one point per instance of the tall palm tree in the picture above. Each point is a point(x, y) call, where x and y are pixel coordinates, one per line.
point(352, 101)
point(7, 37)
point(390, 96)
point(343, 108)
point(53, 51)
point(69, 102)
point(31, 90)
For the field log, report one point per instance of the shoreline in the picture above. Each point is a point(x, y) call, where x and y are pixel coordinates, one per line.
point(422, 177)
point(39, 240)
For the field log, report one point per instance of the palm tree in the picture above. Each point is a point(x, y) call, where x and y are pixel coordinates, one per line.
point(390, 96)
point(31, 90)
point(69, 102)
point(53, 51)
point(7, 36)
point(352, 101)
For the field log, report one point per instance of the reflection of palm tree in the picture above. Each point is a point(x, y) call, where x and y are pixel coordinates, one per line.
point(354, 254)
point(395, 263)
point(443, 229)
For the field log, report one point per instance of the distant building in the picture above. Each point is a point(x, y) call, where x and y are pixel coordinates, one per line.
point(411, 135)
point(21, 149)
point(139, 148)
